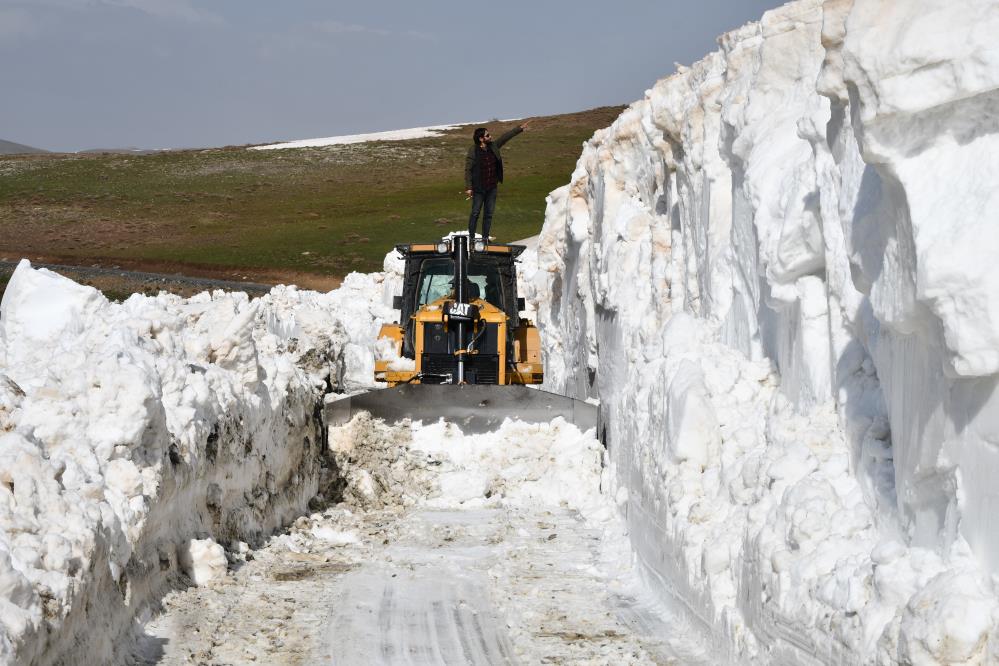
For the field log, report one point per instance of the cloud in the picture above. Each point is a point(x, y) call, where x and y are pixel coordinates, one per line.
point(65, 4)
point(15, 25)
point(422, 36)
point(181, 10)
point(338, 28)
point(314, 36)
point(178, 10)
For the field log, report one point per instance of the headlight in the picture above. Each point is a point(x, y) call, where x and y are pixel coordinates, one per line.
point(480, 245)
point(443, 247)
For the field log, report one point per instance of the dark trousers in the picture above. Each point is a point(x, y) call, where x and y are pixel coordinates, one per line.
point(478, 199)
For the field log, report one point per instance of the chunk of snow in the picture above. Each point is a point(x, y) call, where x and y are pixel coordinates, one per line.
point(203, 560)
point(333, 536)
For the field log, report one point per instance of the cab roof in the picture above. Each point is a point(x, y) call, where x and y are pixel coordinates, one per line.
point(406, 249)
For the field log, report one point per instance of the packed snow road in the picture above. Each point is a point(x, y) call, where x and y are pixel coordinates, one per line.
point(485, 586)
point(493, 549)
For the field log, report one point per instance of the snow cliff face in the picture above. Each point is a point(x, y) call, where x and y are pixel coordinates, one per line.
point(134, 436)
point(777, 272)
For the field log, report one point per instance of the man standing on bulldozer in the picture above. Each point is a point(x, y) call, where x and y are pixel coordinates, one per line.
point(483, 173)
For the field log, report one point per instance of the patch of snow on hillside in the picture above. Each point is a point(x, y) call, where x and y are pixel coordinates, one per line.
point(392, 135)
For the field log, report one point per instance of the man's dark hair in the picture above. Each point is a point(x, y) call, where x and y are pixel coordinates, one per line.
point(479, 131)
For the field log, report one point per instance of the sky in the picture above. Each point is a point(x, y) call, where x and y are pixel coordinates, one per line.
point(83, 74)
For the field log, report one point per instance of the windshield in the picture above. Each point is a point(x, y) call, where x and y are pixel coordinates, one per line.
point(487, 279)
point(436, 276)
point(435, 280)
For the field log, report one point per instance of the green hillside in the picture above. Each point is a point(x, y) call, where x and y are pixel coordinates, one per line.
point(298, 215)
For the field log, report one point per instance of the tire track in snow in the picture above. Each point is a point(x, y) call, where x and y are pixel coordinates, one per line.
point(425, 587)
point(426, 615)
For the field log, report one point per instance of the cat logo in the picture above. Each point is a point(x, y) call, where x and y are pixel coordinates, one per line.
point(460, 309)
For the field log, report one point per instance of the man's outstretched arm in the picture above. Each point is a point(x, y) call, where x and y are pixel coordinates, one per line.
point(512, 133)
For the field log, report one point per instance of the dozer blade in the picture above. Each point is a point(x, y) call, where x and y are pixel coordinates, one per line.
point(474, 408)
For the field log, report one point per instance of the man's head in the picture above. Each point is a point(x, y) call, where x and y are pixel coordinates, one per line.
point(481, 134)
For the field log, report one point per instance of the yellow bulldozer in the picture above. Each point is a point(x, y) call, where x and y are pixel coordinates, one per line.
point(463, 350)
point(460, 318)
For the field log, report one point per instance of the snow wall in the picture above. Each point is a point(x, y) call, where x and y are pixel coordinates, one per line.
point(142, 441)
point(778, 273)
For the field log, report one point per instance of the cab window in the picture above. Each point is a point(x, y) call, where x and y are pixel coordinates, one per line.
point(437, 277)
point(435, 280)
point(486, 277)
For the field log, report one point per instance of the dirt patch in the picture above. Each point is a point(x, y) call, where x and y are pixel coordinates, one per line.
point(305, 572)
point(126, 284)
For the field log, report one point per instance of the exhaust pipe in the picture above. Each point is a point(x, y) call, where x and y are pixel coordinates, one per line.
point(461, 293)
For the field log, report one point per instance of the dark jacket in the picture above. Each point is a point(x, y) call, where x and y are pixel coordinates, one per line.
point(472, 168)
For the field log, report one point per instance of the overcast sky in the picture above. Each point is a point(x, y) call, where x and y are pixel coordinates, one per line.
point(80, 74)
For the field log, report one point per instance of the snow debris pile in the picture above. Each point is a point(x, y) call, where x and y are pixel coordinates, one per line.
point(436, 465)
point(139, 439)
point(777, 273)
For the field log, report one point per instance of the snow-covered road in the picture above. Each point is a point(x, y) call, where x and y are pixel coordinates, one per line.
point(484, 586)
point(446, 550)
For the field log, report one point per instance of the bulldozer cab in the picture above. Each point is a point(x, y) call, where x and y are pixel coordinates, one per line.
point(429, 277)
point(459, 317)
point(461, 349)
point(436, 281)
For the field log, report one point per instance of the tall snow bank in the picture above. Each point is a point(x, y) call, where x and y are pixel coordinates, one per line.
point(777, 274)
point(136, 435)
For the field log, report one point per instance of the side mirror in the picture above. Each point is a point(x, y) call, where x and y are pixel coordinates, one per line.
point(397, 302)
point(521, 304)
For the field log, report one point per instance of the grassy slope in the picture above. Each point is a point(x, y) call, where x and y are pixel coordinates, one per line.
point(320, 211)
